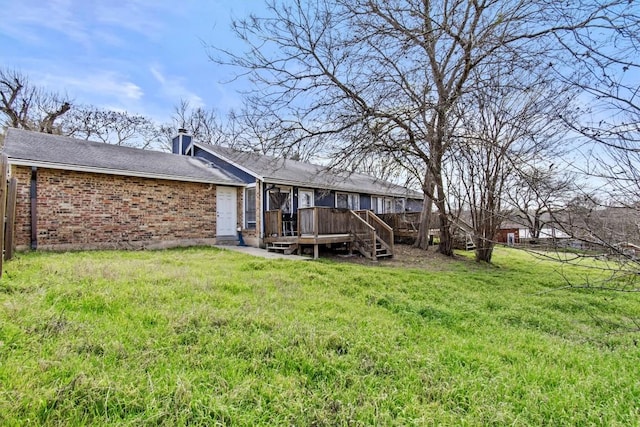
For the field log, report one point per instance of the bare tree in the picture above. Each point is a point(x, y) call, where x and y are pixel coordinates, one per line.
point(606, 68)
point(111, 127)
point(383, 77)
point(28, 107)
point(251, 131)
point(204, 125)
point(539, 194)
point(505, 126)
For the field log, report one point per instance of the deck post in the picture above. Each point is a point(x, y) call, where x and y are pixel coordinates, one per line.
point(316, 252)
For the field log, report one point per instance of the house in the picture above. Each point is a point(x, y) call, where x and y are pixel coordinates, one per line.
point(279, 190)
point(75, 194)
point(513, 231)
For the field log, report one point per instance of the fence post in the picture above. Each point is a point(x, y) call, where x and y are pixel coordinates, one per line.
point(4, 163)
point(12, 195)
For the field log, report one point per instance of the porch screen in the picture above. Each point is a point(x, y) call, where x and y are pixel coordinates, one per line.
point(280, 200)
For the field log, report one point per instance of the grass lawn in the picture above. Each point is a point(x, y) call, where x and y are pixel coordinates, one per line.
point(208, 337)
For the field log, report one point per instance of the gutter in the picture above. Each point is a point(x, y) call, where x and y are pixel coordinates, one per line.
point(354, 190)
point(120, 172)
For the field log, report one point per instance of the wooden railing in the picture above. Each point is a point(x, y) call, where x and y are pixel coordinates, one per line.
point(366, 228)
point(364, 234)
point(8, 197)
point(273, 223)
point(384, 232)
point(402, 221)
point(322, 220)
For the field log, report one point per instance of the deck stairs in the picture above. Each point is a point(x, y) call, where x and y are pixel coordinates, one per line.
point(469, 244)
point(364, 246)
point(286, 248)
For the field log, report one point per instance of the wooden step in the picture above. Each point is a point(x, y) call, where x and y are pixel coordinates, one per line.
point(286, 247)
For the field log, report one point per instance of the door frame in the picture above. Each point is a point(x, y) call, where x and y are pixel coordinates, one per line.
point(233, 210)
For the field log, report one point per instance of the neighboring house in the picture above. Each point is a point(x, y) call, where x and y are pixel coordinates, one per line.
point(274, 184)
point(514, 232)
point(75, 194)
point(627, 249)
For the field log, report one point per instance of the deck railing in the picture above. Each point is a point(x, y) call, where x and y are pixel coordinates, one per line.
point(383, 231)
point(364, 234)
point(322, 220)
point(273, 223)
point(402, 221)
point(368, 230)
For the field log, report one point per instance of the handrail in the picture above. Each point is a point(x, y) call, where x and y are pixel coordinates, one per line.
point(383, 230)
point(362, 220)
point(377, 220)
point(370, 249)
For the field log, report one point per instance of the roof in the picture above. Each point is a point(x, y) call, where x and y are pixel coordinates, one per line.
point(61, 152)
point(301, 174)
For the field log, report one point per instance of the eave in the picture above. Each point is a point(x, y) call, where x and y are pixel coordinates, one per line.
point(119, 172)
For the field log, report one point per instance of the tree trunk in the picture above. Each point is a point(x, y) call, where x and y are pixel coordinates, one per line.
point(445, 246)
point(484, 250)
point(422, 240)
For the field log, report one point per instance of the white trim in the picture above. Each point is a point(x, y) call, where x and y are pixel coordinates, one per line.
point(232, 163)
point(245, 223)
point(347, 194)
point(120, 172)
point(313, 197)
point(189, 150)
point(306, 184)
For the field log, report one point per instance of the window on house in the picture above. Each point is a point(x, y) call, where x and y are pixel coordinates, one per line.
point(250, 208)
point(348, 201)
point(377, 204)
point(399, 205)
point(388, 206)
point(305, 198)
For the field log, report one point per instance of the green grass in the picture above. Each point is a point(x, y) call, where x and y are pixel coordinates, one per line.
point(208, 337)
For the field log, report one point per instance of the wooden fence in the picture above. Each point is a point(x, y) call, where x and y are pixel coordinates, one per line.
point(8, 196)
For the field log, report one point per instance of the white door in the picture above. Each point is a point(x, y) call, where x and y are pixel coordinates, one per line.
point(226, 215)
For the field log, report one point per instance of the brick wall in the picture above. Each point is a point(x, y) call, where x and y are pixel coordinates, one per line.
point(78, 210)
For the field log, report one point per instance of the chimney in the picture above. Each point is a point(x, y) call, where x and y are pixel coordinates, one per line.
point(181, 142)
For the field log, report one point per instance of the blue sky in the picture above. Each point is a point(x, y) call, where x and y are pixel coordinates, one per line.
point(142, 56)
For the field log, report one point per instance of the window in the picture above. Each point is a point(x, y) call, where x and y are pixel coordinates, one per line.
point(377, 204)
point(250, 208)
point(348, 201)
point(388, 206)
point(399, 205)
point(305, 198)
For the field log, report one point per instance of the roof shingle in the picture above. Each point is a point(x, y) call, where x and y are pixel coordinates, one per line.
point(286, 171)
point(61, 152)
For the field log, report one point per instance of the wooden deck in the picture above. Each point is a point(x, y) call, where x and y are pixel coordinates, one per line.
point(361, 231)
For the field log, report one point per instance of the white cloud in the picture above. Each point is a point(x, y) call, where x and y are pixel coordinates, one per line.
point(174, 88)
point(103, 84)
point(29, 18)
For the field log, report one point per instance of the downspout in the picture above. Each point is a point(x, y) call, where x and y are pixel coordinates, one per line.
point(33, 193)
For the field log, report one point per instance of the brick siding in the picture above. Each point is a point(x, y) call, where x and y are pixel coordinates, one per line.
point(79, 210)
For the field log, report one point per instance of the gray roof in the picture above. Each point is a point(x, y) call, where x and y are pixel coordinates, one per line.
point(301, 174)
point(61, 152)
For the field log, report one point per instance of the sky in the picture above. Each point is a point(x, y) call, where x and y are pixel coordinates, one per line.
point(140, 56)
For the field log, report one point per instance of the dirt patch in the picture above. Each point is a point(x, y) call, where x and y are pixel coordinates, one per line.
point(405, 256)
